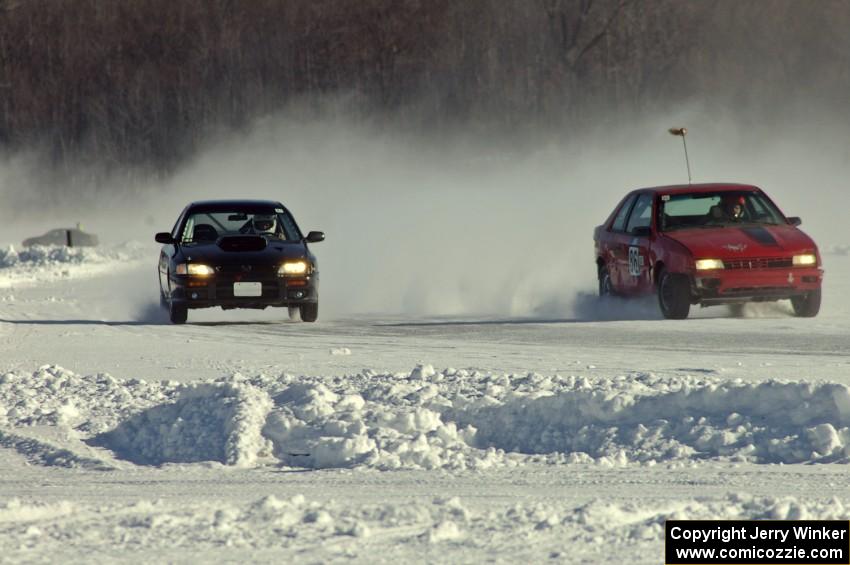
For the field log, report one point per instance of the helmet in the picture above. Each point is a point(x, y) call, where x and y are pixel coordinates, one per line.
point(265, 223)
point(735, 206)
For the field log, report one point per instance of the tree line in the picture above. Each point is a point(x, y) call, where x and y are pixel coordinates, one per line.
point(144, 83)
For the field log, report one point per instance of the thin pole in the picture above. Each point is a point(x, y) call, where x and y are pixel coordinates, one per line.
point(687, 161)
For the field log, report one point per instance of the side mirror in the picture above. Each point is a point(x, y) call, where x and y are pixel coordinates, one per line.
point(164, 237)
point(315, 237)
point(642, 231)
point(795, 220)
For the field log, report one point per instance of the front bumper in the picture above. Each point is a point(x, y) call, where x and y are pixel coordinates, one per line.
point(753, 285)
point(217, 290)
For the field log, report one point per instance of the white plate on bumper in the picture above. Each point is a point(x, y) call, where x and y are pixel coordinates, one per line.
point(247, 289)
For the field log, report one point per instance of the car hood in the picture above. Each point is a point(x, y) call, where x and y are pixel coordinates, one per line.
point(744, 241)
point(214, 255)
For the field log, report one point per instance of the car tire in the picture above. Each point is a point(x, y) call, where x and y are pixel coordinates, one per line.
point(674, 296)
point(178, 313)
point(309, 311)
point(807, 305)
point(606, 289)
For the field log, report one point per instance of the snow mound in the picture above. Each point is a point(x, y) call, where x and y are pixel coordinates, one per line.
point(32, 265)
point(208, 422)
point(768, 422)
point(93, 403)
point(315, 427)
point(429, 419)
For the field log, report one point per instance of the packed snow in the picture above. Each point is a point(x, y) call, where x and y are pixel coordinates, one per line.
point(248, 436)
point(428, 419)
point(40, 263)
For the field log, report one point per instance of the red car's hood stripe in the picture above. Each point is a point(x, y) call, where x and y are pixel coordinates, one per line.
point(761, 235)
point(745, 241)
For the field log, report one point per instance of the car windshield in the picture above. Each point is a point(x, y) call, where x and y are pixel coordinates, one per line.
point(716, 209)
point(207, 227)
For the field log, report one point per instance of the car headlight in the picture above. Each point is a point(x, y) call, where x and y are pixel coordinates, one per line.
point(194, 269)
point(805, 259)
point(708, 264)
point(293, 268)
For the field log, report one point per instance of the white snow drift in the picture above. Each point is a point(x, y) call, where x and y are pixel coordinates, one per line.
point(38, 263)
point(451, 419)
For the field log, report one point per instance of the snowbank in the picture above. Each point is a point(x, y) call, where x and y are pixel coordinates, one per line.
point(428, 419)
point(650, 420)
point(210, 422)
point(36, 264)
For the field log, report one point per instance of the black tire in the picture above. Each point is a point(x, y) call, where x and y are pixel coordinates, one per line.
point(674, 296)
point(806, 305)
point(178, 313)
point(606, 290)
point(309, 311)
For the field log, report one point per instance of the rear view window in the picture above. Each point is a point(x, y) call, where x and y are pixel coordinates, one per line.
point(620, 221)
point(641, 216)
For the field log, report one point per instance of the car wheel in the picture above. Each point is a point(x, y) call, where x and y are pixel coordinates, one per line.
point(605, 287)
point(309, 311)
point(674, 296)
point(177, 313)
point(806, 305)
point(294, 313)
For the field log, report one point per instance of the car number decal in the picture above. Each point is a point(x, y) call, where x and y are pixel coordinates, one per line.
point(635, 261)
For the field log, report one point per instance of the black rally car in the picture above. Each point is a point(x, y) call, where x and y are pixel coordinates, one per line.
point(237, 254)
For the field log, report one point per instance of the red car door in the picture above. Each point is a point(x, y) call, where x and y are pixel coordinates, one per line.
point(636, 246)
point(614, 245)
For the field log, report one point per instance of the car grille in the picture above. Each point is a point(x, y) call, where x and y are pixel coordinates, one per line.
point(247, 270)
point(758, 263)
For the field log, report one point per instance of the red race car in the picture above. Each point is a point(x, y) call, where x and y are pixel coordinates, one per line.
point(706, 244)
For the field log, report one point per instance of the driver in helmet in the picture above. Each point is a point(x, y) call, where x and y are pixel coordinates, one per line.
point(735, 208)
point(265, 224)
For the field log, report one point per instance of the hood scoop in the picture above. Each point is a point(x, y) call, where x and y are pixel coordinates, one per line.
point(242, 243)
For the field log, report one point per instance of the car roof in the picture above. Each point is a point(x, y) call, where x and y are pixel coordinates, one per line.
point(227, 205)
point(251, 206)
point(703, 187)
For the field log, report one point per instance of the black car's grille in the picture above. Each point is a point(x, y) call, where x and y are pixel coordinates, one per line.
point(758, 263)
point(247, 270)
